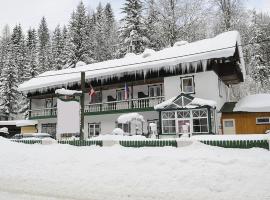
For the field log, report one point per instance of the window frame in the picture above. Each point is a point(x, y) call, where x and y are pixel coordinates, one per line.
point(95, 124)
point(155, 87)
point(51, 126)
point(193, 84)
point(200, 117)
point(167, 126)
point(262, 123)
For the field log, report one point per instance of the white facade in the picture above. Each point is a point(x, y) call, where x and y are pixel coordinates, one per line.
point(207, 85)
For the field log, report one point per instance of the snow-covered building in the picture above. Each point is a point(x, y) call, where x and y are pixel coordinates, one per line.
point(250, 115)
point(201, 70)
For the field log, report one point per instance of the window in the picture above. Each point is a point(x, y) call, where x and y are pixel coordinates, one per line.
point(263, 120)
point(168, 122)
point(200, 121)
point(97, 98)
point(124, 127)
point(49, 103)
point(187, 84)
point(120, 95)
point(155, 91)
point(93, 129)
point(219, 87)
point(49, 128)
point(228, 123)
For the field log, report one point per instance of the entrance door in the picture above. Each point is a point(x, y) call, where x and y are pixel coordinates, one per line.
point(229, 126)
point(184, 126)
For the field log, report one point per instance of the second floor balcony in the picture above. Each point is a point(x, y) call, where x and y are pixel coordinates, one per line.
point(138, 104)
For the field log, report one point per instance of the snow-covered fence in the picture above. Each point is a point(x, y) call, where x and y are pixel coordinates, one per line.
point(81, 142)
point(236, 141)
point(28, 141)
point(241, 144)
point(148, 143)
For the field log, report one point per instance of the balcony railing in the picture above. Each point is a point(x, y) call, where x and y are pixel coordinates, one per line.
point(141, 103)
point(46, 112)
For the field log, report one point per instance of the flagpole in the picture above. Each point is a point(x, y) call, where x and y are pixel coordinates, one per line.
point(82, 105)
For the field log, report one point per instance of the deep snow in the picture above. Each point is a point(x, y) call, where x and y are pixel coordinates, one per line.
point(194, 172)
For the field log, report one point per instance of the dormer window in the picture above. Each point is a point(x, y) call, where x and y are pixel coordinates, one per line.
point(187, 85)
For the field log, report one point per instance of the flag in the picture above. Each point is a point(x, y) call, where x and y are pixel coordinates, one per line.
point(126, 91)
point(92, 92)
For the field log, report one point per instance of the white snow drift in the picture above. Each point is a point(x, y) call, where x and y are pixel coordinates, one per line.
point(195, 172)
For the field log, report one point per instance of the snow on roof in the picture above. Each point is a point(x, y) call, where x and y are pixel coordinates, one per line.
point(125, 118)
point(196, 102)
point(253, 103)
point(66, 92)
point(19, 123)
point(223, 45)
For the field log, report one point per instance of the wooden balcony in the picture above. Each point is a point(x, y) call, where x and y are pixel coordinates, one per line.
point(131, 105)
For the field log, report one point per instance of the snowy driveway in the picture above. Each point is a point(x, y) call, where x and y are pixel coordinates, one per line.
point(197, 172)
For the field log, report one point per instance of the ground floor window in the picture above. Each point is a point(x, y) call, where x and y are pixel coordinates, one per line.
point(49, 128)
point(200, 121)
point(187, 121)
point(125, 127)
point(168, 122)
point(93, 129)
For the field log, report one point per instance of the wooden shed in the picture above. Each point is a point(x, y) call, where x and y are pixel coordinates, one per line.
point(248, 116)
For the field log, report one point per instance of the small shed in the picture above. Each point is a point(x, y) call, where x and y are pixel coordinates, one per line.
point(250, 115)
point(19, 126)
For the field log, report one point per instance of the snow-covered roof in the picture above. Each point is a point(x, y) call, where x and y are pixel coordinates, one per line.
point(19, 123)
point(125, 118)
point(253, 103)
point(189, 54)
point(194, 103)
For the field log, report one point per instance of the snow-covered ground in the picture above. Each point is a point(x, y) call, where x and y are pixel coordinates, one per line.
point(196, 172)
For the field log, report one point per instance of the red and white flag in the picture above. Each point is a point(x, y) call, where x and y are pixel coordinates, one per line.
point(92, 92)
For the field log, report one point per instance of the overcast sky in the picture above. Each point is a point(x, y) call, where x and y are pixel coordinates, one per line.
point(29, 12)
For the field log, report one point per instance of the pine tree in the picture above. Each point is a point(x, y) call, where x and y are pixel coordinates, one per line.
point(18, 52)
point(101, 50)
point(110, 32)
point(152, 26)
point(78, 36)
point(132, 33)
point(31, 54)
point(9, 83)
point(44, 56)
point(57, 48)
point(66, 48)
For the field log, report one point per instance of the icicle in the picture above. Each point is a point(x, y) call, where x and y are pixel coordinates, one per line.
point(188, 67)
point(204, 65)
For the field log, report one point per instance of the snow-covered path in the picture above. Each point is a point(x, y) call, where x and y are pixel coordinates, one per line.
point(196, 172)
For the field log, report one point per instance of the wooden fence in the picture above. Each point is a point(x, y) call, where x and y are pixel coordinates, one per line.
point(148, 143)
point(241, 144)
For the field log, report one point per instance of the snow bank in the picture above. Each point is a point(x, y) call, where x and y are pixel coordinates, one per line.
point(254, 103)
point(118, 131)
point(180, 43)
point(66, 92)
point(125, 118)
point(221, 46)
point(115, 173)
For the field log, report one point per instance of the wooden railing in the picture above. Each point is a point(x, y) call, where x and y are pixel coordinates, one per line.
point(148, 102)
point(141, 103)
